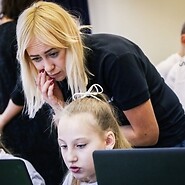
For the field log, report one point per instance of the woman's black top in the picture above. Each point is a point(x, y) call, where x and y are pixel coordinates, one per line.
point(130, 79)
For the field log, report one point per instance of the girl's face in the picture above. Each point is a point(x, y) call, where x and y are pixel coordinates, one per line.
point(78, 139)
point(50, 60)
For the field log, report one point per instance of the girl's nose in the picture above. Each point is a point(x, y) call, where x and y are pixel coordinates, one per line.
point(71, 156)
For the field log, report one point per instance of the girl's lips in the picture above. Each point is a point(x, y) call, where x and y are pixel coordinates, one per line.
point(74, 169)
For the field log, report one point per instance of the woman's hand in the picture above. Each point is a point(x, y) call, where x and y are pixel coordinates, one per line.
point(50, 90)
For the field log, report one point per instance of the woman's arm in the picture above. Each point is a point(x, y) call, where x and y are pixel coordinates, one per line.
point(10, 111)
point(143, 129)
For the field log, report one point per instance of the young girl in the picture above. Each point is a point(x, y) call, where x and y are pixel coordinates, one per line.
point(85, 125)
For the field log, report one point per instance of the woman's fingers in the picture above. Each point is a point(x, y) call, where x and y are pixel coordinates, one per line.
point(45, 89)
point(46, 85)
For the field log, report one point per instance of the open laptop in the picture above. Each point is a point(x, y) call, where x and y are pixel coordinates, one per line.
point(14, 172)
point(154, 166)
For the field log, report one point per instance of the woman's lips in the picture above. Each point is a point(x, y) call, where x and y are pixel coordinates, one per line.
point(54, 75)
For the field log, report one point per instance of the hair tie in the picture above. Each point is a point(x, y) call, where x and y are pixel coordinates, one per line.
point(93, 91)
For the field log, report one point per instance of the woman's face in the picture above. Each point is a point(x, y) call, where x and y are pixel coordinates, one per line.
point(48, 59)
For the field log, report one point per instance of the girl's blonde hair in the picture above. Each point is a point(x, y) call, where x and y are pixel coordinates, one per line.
point(104, 115)
point(102, 112)
point(53, 26)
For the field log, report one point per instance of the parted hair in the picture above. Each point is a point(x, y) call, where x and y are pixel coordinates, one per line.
point(55, 27)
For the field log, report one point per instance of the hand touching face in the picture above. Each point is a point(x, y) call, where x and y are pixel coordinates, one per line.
point(50, 63)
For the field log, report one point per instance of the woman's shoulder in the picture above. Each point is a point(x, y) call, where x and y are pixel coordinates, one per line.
point(110, 43)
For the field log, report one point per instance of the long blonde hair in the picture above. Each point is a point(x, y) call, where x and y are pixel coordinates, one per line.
point(53, 26)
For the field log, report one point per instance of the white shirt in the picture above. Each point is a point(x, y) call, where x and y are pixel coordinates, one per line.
point(176, 80)
point(69, 178)
point(165, 66)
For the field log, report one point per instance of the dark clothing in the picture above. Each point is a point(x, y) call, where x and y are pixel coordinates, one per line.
point(129, 79)
point(31, 139)
point(8, 63)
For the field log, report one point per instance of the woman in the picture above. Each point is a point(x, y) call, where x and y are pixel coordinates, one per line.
point(57, 61)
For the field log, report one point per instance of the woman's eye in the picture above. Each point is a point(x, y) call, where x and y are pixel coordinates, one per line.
point(54, 54)
point(36, 59)
point(81, 146)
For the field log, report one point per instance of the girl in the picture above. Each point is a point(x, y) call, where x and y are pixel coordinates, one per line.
point(85, 125)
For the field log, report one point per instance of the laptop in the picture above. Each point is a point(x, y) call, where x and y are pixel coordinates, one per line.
point(152, 166)
point(14, 172)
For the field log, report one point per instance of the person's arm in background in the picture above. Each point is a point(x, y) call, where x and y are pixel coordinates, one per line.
point(144, 130)
point(10, 112)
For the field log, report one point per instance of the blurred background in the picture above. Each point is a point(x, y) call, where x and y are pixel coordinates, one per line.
point(153, 25)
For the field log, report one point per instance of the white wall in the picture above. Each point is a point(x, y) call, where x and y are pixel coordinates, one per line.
point(154, 25)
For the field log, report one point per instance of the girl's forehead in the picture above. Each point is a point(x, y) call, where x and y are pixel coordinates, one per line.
point(77, 121)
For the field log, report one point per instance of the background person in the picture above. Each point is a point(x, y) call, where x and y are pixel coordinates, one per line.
point(173, 70)
point(165, 66)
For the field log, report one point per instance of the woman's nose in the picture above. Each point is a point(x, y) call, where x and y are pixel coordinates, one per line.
point(48, 66)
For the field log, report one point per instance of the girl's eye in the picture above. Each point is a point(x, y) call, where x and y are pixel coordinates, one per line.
point(63, 146)
point(81, 146)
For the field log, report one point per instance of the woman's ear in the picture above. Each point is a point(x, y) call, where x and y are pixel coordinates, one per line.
point(110, 140)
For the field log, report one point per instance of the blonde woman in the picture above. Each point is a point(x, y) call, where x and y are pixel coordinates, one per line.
point(57, 60)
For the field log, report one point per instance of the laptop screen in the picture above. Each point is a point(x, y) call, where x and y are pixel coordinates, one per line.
point(154, 166)
point(14, 172)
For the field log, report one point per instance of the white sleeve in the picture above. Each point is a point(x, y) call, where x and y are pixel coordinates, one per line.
point(34, 175)
point(171, 76)
point(166, 65)
point(163, 68)
point(68, 179)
